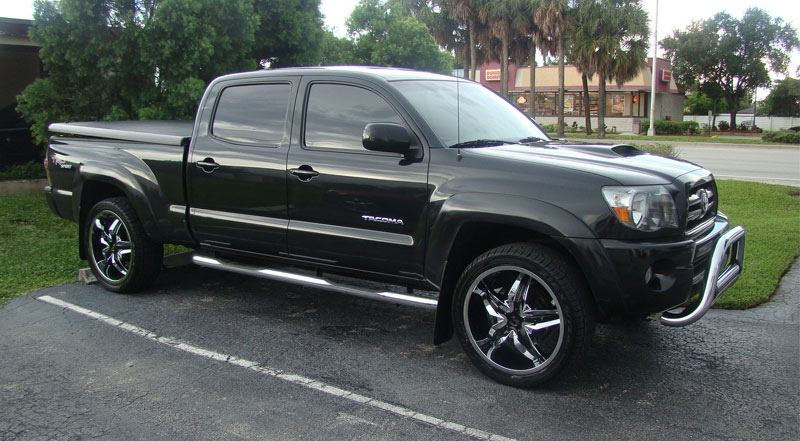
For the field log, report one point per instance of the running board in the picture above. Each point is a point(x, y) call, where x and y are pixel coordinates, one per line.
point(316, 282)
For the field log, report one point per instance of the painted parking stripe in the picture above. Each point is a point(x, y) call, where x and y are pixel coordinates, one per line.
point(276, 373)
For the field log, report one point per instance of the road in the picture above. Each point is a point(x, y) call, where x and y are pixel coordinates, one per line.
point(206, 355)
point(774, 165)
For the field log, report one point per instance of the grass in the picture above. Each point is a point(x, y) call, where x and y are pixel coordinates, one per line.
point(771, 216)
point(39, 249)
point(659, 138)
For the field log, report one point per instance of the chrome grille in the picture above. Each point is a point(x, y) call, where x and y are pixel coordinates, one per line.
point(701, 208)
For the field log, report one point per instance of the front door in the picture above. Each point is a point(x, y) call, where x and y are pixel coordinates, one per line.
point(348, 206)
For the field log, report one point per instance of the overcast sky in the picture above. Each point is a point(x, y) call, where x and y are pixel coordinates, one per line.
point(672, 14)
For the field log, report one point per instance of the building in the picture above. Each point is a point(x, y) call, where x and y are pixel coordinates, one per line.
point(19, 66)
point(626, 105)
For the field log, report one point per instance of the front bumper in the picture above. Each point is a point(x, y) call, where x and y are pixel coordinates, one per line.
point(689, 275)
point(723, 271)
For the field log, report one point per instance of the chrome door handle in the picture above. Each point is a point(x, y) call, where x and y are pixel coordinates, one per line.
point(304, 173)
point(208, 165)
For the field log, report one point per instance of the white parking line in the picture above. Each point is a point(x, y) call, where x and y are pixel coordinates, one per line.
point(276, 373)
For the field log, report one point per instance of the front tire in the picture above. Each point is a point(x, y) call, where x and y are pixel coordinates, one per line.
point(122, 257)
point(521, 312)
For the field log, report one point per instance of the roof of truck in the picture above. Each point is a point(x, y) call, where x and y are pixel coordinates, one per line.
point(384, 73)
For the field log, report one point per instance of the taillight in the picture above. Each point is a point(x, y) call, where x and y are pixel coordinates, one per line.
point(47, 167)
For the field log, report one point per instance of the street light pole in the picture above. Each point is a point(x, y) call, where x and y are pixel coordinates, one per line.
point(651, 131)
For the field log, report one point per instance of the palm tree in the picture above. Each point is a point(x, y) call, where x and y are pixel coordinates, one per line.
point(554, 22)
point(497, 14)
point(612, 40)
point(528, 27)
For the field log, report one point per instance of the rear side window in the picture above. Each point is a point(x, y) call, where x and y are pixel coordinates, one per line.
point(252, 114)
point(336, 115)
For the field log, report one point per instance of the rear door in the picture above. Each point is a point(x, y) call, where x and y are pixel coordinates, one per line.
point(348, 206)
point(236, 172)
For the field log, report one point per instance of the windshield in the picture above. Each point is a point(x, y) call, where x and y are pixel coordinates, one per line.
point(479, 117)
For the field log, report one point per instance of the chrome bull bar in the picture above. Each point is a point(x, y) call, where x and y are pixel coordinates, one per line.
point(729, 249)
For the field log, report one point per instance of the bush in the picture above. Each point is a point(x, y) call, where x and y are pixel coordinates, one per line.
point(689, 127)
point(723, 126)
point(661, 127)
point(31, 170)
point(781, 136)
point(549, 128)
point(659, 149)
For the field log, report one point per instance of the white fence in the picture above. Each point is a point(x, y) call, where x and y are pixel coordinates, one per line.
point(763, 122)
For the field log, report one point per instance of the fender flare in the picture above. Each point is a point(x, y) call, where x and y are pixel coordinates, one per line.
point(539, 217)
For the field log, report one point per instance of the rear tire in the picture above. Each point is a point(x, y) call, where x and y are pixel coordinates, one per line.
point(122, 257)
point(521, 312)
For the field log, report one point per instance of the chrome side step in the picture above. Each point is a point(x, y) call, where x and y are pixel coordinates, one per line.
point(316, 282)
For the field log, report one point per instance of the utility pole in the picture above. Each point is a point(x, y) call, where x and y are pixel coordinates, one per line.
point(651, 131)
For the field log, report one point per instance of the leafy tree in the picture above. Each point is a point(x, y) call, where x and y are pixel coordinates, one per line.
point(337, 51)
point(497, 15)
point(699, 103)
point(733, 55)
point(784, 98)
point(384, 37)
point(289, 33)
point(613, 37)
point(151, 59)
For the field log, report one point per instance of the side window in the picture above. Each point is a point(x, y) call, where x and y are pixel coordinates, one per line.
point(252, 114)
point(336, 115)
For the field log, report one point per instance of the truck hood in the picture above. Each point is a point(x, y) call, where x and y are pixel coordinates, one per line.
point(621, 162)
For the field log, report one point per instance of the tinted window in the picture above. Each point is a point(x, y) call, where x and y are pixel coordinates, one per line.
point(336, 115)
point(253, 114)
point(466, 111)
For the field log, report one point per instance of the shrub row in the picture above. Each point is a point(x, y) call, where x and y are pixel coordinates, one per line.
point(782, 136)
point(670, 127)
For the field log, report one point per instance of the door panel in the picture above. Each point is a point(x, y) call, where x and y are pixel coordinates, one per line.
point(237, 167)
point(359, 209)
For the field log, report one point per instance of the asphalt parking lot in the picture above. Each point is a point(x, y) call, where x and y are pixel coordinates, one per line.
point(206, 355)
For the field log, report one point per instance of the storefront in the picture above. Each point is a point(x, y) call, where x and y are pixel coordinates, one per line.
point(626, 105)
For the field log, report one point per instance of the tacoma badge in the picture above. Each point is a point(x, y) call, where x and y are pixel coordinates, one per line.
point(383, 220)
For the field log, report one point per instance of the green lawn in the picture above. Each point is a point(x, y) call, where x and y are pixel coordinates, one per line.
point(661, 138)
point(38, 249)
point(771, 216)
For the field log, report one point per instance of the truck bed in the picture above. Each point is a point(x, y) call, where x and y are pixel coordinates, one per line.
point(177, 133)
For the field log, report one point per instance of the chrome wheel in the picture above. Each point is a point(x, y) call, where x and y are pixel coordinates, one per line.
point(111, 247)
point(513, 320)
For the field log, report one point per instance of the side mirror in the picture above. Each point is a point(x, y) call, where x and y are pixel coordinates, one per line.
point(386, 137)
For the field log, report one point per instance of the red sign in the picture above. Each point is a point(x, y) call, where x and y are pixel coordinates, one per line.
point(666, 75)
point(491, 75)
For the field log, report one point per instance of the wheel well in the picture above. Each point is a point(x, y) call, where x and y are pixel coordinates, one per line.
point(92, 193)
point(472, 240)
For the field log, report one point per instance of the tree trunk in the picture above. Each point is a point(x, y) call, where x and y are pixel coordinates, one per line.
point(467, 64)
point(473, 51)
point(587, 109)
point(532, 95)
point(601, 107)
point(504, 69)
point(560, 103)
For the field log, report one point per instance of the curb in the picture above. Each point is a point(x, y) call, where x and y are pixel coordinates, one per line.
point(22, 186)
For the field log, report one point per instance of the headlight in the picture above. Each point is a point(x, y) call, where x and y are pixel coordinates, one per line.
point(647, 208)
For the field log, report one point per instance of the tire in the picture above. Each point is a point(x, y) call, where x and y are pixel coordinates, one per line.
point(521, 312)
point(121, 255)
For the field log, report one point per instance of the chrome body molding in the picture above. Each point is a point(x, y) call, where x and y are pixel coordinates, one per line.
point(352, 233)
point(317, 282)
point(723, 271)
point(261, 221)
point(307, 227)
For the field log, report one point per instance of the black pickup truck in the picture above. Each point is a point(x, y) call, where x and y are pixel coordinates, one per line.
point(338, 178)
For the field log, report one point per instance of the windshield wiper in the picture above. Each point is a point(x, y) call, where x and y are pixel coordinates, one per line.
point(481, 143)
point(532, 139)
